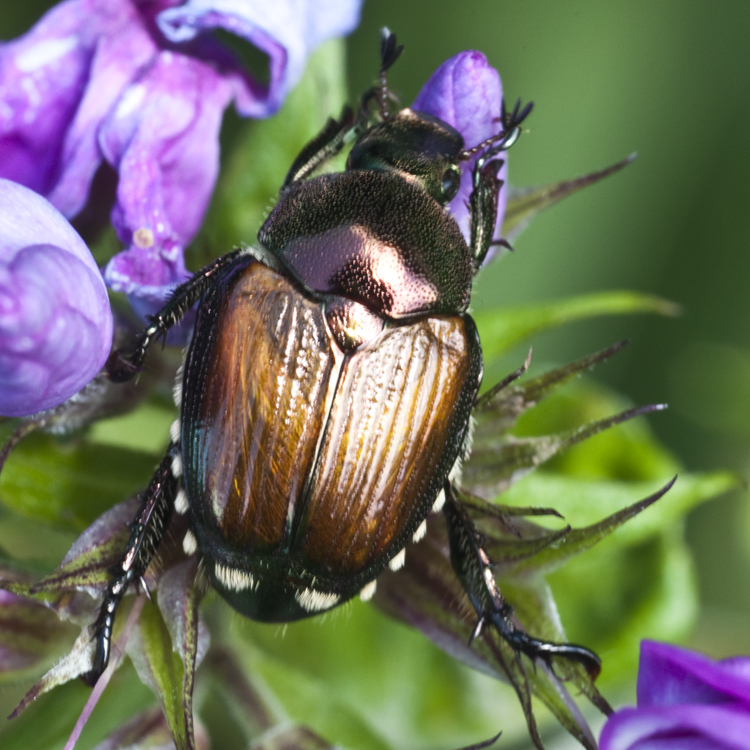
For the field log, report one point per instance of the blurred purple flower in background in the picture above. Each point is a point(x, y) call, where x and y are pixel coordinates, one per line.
point(686, 701)
point(55, 319)
point(466, 92)
point(142, 86)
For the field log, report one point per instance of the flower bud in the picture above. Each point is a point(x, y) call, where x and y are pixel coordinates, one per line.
point(55, 319)
point(465, 91)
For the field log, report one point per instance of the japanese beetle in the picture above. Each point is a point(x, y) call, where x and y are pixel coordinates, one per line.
point(326, 394)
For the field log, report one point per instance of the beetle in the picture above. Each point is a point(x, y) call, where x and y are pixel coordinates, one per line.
point(326, 394)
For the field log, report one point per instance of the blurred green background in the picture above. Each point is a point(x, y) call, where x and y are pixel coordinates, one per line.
point(668, 80)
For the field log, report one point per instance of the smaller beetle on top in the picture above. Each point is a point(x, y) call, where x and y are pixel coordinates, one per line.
point(326, 395)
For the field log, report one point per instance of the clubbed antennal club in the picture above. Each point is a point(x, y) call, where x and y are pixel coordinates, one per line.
point(390, 51)
point(511, 124)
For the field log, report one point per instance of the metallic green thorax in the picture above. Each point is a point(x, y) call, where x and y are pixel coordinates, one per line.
point(379, 233)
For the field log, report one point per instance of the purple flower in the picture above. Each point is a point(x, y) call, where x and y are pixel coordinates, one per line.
point(685, 702)
point(466, 92)
point(55, 320)
point(142, 86)
point(287, 31)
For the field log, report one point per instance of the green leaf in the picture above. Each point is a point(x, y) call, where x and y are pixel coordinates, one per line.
point(498, 459)
point(525, 203)
point(392, 680)
point(29, 545)
point(48, 722)
point(498, 409)
point(535, 606)
point(574, 541)
point(178, 603)
point(629, 453)
point(427, 595)
point(508, 555)
point(70, 484)
point(611, 599)
point(68, 606)
point(30, 636)
point(145, 429)
point(79, 660)
point(500, 330)
point(585, 502)
point(88, 563)
point(161, 669)
point(494, 465)
point(309, 701)
point(76, 662)
point(636, 583)
point(238, 692)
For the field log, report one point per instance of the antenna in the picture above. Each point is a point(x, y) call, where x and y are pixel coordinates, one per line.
point(511, 123)
point(389, 53)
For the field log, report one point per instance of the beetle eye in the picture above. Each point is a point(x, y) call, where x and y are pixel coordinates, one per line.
point(451, 183)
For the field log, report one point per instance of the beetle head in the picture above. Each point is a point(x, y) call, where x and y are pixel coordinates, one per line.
point(420, 148)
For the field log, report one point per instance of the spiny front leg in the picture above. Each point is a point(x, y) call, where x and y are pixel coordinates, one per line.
point(121, 367)
point(472, 566)
point(322, 148)
point(486, 184)
point(483, 207)
point(147, 531)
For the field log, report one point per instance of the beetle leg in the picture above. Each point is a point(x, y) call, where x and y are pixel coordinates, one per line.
point(122, 367)
point(486, 184)
point(147, 531)
point(320, 149)
point(472, 565)
point(483, 206)
point(390, 51)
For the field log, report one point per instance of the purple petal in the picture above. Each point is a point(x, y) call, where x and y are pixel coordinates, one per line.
point(163, 139)
point(686, 727)
point(685, 702)
point(55, 320)
point(287, 31)
point(42, 78)
point(669, 676)
point(466, 92)
point(28, 219)
point(57, 83)
point(739, 666)
point(121, 45)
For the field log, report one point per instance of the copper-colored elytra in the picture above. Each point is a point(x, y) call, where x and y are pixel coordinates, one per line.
point(263, 407)
point(274, 383)
point(386, 434)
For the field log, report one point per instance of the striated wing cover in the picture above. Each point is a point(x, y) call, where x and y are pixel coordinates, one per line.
point(394, 431)
point(255, 403)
